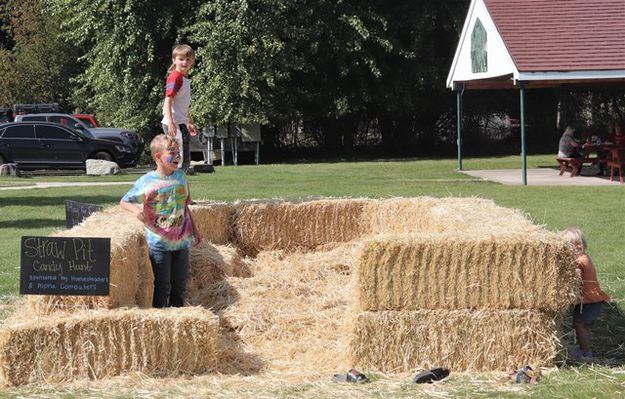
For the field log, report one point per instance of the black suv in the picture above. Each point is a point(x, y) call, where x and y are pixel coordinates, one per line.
point(50, 145)
point(124, 136)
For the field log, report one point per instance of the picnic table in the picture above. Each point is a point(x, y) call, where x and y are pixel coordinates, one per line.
point(591, 155)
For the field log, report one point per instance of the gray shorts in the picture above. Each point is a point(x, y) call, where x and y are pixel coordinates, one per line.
point(587, 312)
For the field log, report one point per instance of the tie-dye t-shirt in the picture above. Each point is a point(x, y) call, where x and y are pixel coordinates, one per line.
point(164, 200)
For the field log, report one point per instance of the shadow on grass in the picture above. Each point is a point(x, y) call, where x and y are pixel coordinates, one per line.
point(26, 224)
point(608, 334)
point(58, 200)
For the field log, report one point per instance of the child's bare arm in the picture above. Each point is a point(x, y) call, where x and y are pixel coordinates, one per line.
point(134, 209)
point(191, 126)
point(197, 237)
point(171, 126)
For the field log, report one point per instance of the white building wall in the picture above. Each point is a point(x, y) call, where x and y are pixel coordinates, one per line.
point(499, 60)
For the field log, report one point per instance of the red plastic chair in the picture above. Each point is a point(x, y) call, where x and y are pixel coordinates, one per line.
point(617, 162)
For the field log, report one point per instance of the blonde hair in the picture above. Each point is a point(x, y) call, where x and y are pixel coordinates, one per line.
point(162, 142)
point(576, 238)
point(181, 50)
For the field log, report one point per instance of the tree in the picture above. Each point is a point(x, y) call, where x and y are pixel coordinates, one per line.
point(38, 64)
point(267, 60)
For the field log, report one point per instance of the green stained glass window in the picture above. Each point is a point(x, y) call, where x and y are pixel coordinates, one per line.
point(479, 59)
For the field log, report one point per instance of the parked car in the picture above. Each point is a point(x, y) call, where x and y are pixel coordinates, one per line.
point(124, 136)
point(87, 119)
point(6, 115)
point(35, 145)
point(22, 109)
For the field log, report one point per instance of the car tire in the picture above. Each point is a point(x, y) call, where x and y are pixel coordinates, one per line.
point(105, 156)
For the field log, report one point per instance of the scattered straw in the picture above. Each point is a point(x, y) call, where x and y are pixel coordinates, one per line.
point(211, 263)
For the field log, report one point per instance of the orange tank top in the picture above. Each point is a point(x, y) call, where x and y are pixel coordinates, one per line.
point(591, 291)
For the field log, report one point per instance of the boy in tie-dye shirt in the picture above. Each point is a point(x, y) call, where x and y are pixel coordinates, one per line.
point(160, 199)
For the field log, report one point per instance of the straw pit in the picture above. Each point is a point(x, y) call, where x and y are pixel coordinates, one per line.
point(329, 284)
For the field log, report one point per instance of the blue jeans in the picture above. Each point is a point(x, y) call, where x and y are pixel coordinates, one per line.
point(171, 269)
point(182, 134)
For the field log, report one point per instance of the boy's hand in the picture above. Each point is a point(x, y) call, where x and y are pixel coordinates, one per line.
point(171, 129)
point(141, 217)
point(191, 128)
point(197, 238)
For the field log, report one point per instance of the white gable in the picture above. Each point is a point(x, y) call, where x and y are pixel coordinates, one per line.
point(498, 59)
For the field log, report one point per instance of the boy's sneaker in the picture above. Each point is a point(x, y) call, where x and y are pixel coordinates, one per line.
point(579, 354)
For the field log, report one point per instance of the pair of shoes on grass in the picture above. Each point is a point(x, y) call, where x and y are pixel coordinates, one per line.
point(579, 354)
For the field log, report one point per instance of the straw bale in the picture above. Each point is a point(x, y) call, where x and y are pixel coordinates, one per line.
point(131, 277)
point(461, 340)
point(213, 220)
point(438, 215)
point(272, 225)
point(398, 215)
point(476, 215)
point(99, 344)
point(211, 263)
point(449, 271)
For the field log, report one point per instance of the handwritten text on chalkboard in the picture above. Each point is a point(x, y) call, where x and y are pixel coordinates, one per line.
point(65, 266)
point(76, 212)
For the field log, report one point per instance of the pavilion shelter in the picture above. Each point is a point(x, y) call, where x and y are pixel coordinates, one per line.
point(525, 44)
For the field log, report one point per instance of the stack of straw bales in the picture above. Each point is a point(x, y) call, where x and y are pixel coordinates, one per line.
point(484, 295)
point(131, 278)
point(97, 344)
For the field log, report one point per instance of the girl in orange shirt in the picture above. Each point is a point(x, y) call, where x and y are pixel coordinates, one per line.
point(591, 298)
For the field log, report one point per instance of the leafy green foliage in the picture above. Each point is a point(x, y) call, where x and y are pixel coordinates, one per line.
point(37, 64)
point(267, 59)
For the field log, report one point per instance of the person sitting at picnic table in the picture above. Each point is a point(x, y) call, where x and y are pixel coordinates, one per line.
point(569, 147)
point(594, 144)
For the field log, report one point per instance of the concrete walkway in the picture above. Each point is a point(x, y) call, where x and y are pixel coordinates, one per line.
point(66, 184)
point(544, 177)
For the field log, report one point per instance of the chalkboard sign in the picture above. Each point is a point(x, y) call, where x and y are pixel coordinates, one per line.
point(65, 266)
point(76, 212)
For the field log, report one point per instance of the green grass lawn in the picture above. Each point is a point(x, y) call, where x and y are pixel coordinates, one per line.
point(598, 211)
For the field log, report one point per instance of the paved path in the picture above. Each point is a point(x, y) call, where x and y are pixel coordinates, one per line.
point(543, 177)
point(66, 184)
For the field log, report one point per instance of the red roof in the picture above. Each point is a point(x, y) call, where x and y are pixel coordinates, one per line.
point(562, 35)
